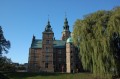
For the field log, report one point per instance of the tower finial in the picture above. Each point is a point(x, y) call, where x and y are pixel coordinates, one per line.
point(48, 17)
point(48, 20)
point(65, 15)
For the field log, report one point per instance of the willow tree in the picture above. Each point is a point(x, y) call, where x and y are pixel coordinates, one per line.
point(97, 36)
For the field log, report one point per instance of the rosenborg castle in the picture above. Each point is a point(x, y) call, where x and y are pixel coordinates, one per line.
point(51, 55)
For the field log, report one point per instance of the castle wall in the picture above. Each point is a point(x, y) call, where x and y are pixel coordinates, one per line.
point(59, 59)
point(34, 59)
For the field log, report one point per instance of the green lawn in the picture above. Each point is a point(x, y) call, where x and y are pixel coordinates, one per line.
point(25, 75)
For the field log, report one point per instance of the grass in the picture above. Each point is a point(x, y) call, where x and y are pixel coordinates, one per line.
point(25, 75)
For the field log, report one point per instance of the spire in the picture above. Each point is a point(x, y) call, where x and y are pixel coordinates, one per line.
point(65, 15)
point(66, 32)
point(48, 17)
point(66, 26)
point(66, 22)
point(48, 24)
point(48, 27)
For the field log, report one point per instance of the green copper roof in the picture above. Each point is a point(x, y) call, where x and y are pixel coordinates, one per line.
point(59, 44)
point(70, 40)
point(37, 43)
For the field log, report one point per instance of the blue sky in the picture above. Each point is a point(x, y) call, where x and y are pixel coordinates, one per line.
point(20, 19)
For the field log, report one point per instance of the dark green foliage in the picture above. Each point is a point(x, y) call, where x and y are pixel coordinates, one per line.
point(4, 44)
point(21, 68)
point(98, 37)
point(6, 65)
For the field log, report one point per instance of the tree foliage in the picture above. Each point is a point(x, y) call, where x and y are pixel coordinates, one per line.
point(6, 64)
point(4, 44)
point(98, 37)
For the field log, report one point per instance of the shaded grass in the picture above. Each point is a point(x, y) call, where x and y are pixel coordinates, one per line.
point(26, 75)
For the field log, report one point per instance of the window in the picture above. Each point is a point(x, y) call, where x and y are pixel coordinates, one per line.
point(59, 65)
point(34, 55)
point(47, 41)
point(59, 59)
point(59, 52)
point(35, 51)
point(46, 58)
point(46, 65)
point(35, 59)
point(47, 49)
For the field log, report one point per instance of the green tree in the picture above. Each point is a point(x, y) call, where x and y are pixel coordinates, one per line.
point(4, 44)
point(6, 64)
point(97, 36)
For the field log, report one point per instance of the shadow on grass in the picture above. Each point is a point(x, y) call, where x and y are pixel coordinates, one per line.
point(23, 75)
point(2, 76)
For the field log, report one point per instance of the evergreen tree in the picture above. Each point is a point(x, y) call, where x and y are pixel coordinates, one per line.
point(4, 44)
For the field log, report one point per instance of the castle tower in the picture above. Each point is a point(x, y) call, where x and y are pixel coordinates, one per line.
point(47, 49)
point(70, 56)
point(66, 31)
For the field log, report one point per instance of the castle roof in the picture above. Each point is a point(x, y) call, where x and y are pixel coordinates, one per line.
point(37, 43)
